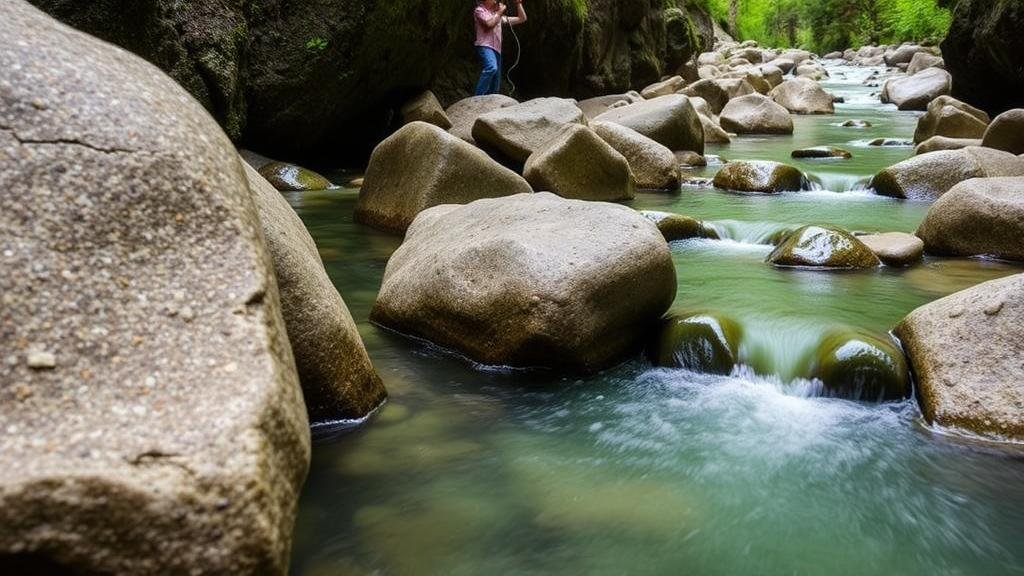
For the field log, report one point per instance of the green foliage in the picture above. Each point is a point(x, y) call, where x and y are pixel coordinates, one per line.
point(316, 44)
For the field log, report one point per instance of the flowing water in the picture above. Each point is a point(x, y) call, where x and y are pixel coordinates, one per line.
point(639, 470)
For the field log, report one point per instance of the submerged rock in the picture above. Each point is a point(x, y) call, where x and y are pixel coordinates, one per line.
point(425, 108)
point(894, 248)
point(291, 178)
point(803, 96)
point(822, 247)
point(821, 152)
point(678, 227)
point(965, 350)
point(759, 176)
point(518, 131)
point(862, 367)
point(915, 92)
point(979, 217)
point(756, 114)
point(929, 176)
point(152, 417)
point(704, 343)
point(856, 124)
point(577, 163)
point(420, 166)
point(530, 280)
point(1006, 132)
point(653, 165)
point(463, 114)
point(947, 116)
point(668, 120)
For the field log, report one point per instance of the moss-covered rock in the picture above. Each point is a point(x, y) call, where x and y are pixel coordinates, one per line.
point(860, 366)
point(822, 247)
point(759, 176)
point(678, 227)
point(706, 343)
point(291, 178)
point(821, 152)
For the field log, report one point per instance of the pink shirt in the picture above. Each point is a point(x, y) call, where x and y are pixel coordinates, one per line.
point(490, 37)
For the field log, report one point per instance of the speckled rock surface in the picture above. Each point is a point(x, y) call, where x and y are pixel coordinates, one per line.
point(654, 166)
point(929, 176)
point(947, 116)
point(755, 114)
point(894, 248)
point(578, 164)
point(464, 113)
point(518, 131)
point(803, 96)
point(668, 120)
point(425, 108)
point(712, 93)
point(338, 379)
point(759, 176)
point(822, 247)
point(983, 216)
point(530, 280)
point(1006, 132)
point(151, 414)
point(915, 92)
point(422, 166)
point(966, 352)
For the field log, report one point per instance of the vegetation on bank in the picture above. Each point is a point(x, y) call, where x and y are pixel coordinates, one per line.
point(829, 25)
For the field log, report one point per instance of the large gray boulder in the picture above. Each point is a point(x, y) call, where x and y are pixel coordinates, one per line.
point(463, 114)
point(152, 417)
point(654, 166)
point(594, 107)
point(915, 92)
point(930, 175)
point(668, 120)
point(735, 87)
point(518, 131)
point(421, 166)
point(424, 107)
point(978, 217)
point(337, 377)
point(577, 163)
point(530, 280)
point(966, 351)
point(755, 114)
point(803, 96)
point(949, 117)
point(923, 61)
point(711, 92)
point(1006, 132)
point(713, 133)
point(903, 54)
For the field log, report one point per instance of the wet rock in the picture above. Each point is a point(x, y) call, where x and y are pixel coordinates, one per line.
point(654, 166)
point(965, 350)
point(420, 166)
point(668, 120)
point(894, 248)
point(690, 159)
point(859, 366)
point(520, 130)
point(338, 380)
point(663, 88)
point(755, 114)
point(678, 227)
point(821, 152)
point(856, 124)
point(759, 176)
point(895, 142)
point(915, 92)
point(291, 178)
point(704, 343)
point(922, 61)
point(928, 176)
point(1006, 132)
point(822, 247)
point(713, 133)
point(936, 143)
point(156, 443)
point(983, 216)
point(425, 108)
point(803, 96)
point(577, 163)
point(947, 116)
point(463, 114)
point(715, 96)
point(529, 280)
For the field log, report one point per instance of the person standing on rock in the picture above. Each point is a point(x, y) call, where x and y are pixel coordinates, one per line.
point(489, 16)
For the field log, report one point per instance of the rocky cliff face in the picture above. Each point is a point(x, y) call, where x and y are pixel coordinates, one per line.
point(319, 79)
point(984, 51)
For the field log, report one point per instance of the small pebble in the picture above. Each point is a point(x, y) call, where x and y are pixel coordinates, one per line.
point(42, 360)
point(994, 308)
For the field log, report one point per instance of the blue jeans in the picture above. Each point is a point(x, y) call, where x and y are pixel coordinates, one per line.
point(490, 76)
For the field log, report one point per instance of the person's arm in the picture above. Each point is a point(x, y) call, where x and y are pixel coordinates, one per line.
point(520, 17)
point(491, 21)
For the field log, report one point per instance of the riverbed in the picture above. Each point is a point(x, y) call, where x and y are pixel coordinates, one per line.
point(470, 470)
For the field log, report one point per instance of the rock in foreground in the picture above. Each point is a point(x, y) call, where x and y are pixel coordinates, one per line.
point(822, 247)
point(966, 352)
point(518, 131)
point(704, 343)
point(577, 163)
point(861, 367)
point(653, 165)
point(152, 417)
point(530, 280)
point(979, 217)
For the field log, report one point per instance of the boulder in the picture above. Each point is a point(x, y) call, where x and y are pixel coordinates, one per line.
point(668, 120)
point(530, 280)
point(594, 107)
point(860, 366)
point(1006, 132)
point(856, 124)
point(735, 87)
point(922, 61)
point(928, 176)
point(803, 96)
point(710, 59)
point(755, 114)
point(891, 142)
point(822, 247)
point(796, 56)
point(518, 131)
point(759, 176)
point(577, 163)
point(463, 114)
point(936, 143)
point(833, 56)
point(663, 88)
point(915, 92)
point(711, 92)
point(947, 116)
point(703, 343)
point(653, 165)
point(751, 55)
point(965, 350)
point(978, 217)
point(701, 106)
point(291, 178)
point(420, 166)
point(425, 108)
point(678, 227)
point(152, 417)
point(982, 51)
point(254, 159)
point(337, 377)
point(894, 248)
point(785, 64)
point(713, 133)
point(690, 159)
point(772, 74)
point(810, 71)
point(902, 54)
point(751, 75)
point(821, 152)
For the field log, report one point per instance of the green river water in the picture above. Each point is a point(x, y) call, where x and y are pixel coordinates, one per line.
point(637, 470)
